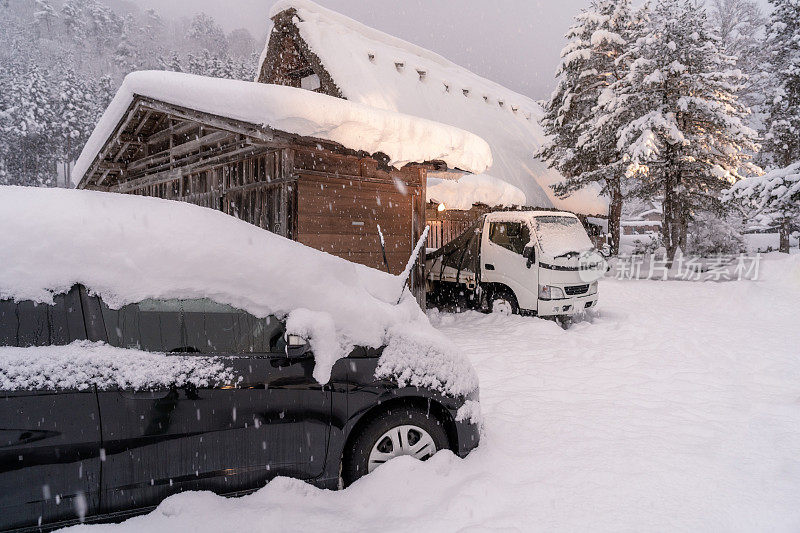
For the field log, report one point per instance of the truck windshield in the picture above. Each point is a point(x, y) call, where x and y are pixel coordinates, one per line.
point(559, 235)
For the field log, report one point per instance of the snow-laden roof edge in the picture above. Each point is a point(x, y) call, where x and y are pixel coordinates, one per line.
point(470, 189)
point(403, 138)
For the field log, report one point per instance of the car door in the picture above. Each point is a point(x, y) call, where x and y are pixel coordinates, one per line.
point(502, 246)
point(49, 439)
point(233, 438)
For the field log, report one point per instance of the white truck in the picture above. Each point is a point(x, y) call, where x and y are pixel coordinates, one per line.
point(529, 262)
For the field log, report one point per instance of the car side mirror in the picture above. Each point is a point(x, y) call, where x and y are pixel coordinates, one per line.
point(529, 253)
point(296, 346)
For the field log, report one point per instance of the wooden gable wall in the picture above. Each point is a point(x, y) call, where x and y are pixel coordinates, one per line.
point(289, 59)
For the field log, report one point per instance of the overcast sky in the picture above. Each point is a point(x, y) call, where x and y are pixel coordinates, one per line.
point(513, 42)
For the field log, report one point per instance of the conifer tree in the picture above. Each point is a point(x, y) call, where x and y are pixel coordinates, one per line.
point(782, 139)
point(686, 140)
point(771, 200)
point(583, 136)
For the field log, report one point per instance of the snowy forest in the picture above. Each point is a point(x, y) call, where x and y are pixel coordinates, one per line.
point(62, 62)
point(676, 101)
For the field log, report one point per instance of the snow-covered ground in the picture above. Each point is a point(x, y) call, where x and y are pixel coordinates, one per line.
point(675, 408)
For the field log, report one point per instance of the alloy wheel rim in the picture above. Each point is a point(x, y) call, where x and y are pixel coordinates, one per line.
point(398, 441)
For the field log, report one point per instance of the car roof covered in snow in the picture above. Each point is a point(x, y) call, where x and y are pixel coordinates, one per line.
point(403, 138)
point(129, 248)
point(379, 70)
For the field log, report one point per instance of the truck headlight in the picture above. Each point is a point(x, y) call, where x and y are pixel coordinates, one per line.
point(593, 288)
point(548, 292)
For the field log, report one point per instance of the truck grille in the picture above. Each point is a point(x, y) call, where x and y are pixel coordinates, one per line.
point(575, 290)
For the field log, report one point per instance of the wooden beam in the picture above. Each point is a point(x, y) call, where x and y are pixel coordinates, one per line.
point(199, 165)
point(181, 149)
point(236, 126)
point(142, 123)
point(103, 177)
point(111, 166)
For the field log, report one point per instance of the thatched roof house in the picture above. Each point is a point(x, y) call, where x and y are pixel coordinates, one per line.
point(321, 50)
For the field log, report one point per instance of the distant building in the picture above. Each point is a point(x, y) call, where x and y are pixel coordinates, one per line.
point(643, 221)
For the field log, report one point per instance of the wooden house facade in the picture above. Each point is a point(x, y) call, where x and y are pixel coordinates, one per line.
point(310, 190)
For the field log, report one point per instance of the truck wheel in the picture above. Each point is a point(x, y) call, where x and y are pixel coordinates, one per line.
point(399, 431)
point(504, 303)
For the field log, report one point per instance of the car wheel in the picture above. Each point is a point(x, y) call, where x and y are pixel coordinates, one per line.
point(503, 303)
point(399, 431)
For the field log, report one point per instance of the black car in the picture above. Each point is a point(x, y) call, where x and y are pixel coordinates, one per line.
point(103, 453)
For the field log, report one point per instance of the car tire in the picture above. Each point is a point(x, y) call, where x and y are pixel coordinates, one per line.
point(423, 434)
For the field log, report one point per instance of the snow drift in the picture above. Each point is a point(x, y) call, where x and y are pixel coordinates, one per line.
point(130, 248)
point(405, 139)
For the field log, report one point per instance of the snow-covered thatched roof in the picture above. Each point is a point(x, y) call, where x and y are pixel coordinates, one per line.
point(403, 138)
point(373, 68)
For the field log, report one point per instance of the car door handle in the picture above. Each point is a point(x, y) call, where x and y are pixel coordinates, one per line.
point(488, 266)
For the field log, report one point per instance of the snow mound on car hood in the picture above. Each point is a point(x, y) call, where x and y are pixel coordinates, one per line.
point(127, 249)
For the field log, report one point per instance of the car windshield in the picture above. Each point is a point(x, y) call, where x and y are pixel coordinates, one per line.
point(561, 235)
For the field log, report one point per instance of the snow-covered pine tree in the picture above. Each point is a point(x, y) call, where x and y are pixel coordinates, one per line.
point(74, 117)
point(782, 140)
point(72, 16)
point(770, 200)
point(29, 157)
point(741, 27)
point(687, 138)
point(208, 35)
point(45, 14)
point(583, 144)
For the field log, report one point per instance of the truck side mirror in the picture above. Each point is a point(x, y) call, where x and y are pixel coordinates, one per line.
point(529, 253)
point(296, 346)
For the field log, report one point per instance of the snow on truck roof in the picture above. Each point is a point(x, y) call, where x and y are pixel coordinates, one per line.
point(403, 138)
point(130, 248)
point(376, 69)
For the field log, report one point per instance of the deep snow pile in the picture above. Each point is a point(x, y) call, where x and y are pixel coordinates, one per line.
point(82, 364)
point(403, 138)
point(471, 189)
point(382, 71)
point(131, 248)
point(676, 408)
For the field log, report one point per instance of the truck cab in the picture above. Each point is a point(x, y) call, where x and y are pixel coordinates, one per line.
point(531, 262)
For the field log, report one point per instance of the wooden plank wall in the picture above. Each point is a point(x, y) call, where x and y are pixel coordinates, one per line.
point(249, 189)
point(340, 216)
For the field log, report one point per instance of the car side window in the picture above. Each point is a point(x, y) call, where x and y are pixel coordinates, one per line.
point(192, 326)
point(150, 325)
point(512, 236)
point(212, 327)
point(27, 323)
